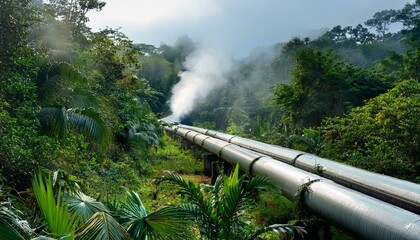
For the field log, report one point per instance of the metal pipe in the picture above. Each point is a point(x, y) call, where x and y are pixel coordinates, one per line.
point(360, 214)
point(398, 192)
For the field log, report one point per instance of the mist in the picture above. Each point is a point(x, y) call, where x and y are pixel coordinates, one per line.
point(205, 71)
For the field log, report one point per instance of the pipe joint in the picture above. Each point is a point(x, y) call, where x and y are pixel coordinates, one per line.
point(293, 162)
point(252, 164)
point(219, 154)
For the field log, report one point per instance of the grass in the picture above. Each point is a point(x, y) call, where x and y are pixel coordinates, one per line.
point(171, 157)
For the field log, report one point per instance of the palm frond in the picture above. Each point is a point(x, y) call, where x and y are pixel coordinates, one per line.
point(81, 98)
point(84, 206)
point(55, 213)
point(143, 132)
point(66, 73)
point(257, 182)
point(168, 223)
point(193, 210)
point(281, 230)
point(189, 190)
point(7, 231)
point(101, 226)
point(165, 223)
point(132, 207)
point(89, 121)
point(11, 226)
point(231, 200)
point(43, 238)
point(53, 78)
point(48, 85)
point(53, 121)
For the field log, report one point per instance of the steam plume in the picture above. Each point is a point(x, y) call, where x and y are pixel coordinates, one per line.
point(205, 71)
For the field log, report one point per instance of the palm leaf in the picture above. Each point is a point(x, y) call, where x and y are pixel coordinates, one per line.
point(133, 207)
point(11, 227)
point(281, 230)
point(101, 226)
point(84, 206)
point(43, 238)
point(257, 182)
point(53, 78)
point(67, 73)
point(53, 121)
point(55, 212)
point(89, 121)
point(145, 132)
point(9, 232)
point(231, 200)
point(81, 98)
point(165, 223)
point(189, 190)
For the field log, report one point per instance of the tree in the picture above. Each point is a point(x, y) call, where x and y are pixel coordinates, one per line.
point(16, 16)
point(381, 20)
point(73, 12)
point(409, 15)
point(18, 103)
point(382, 136)
point(337, 34)
point(61, 85)
point(218, 209)
point(361, 35)
point(324, 85)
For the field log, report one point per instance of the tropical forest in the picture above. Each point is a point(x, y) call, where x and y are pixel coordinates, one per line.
point(84, 153)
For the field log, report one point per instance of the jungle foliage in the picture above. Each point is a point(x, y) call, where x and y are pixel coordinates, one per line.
point(318, 85)
point(88, 103)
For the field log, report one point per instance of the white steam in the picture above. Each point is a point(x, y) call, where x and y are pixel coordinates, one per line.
point(205, 70)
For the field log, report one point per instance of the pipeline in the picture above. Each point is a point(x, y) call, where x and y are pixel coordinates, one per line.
point(398, 192)
point(358, 213)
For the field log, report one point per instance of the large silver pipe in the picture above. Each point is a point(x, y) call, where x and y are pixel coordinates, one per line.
point(398, 192)
point(356, 212)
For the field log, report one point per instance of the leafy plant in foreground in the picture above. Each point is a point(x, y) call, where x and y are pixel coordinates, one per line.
point(56, 214)
point(168, 222)
point(219, 209)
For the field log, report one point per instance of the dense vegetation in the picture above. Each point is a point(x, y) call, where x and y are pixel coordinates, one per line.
point(87, 104)
point(349, 95)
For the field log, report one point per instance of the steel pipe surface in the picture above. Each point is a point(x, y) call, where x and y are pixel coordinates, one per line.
point(398, 192)
point(360, 214)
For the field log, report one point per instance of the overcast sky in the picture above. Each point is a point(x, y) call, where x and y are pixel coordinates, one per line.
point(237, 26)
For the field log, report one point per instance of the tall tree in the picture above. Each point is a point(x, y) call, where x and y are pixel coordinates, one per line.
point(74, 13)
point(324, 85)
point(381, 21)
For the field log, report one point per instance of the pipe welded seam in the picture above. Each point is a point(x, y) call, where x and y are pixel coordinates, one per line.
point(252, 164)
point(293, 162)
point(219, 154)
point(194, 137)
point(230, 139)
point(185, 135)
point(202, 142)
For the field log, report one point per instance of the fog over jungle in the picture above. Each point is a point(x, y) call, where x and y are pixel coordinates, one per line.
point(235, 26)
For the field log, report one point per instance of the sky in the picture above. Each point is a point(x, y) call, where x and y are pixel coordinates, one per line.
point(235, 26)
